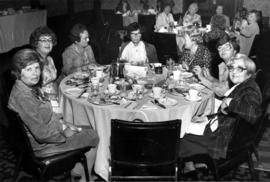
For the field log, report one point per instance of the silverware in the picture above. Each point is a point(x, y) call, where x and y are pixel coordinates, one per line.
point(158, 104)
point(126, 106)
point(79, 96)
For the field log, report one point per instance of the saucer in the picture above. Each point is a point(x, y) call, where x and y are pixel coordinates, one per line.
point(193, 100)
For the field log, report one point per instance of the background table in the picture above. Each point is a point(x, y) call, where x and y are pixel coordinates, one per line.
point(15, 29)
point(81, 112)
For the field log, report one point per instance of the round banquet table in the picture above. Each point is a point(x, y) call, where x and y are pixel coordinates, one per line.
point(81, 112)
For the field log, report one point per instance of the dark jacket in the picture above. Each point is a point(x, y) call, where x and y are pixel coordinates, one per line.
point(150, 51)
point(246, 105)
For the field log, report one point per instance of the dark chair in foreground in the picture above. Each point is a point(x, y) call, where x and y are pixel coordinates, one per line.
point(144, 151)
point(239, 151)
point(40, 168)
point(166, 46)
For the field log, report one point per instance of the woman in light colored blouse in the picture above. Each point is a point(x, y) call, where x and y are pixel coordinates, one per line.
point(164, 19)
point(79, 55)
point(42, 40)
point(191, 17)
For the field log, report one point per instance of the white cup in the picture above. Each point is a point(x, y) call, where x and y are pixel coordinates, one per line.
point(193, 94)
point(157, 92)
point(137, 88)
point(99, 73)
point(176, 75)
point(95, 80)
point(112, 88)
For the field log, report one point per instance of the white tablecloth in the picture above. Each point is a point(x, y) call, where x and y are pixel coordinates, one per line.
point(15, 29)
point(81, 112)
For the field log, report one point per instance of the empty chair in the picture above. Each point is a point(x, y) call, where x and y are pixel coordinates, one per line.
point(166, 46)
point(41, 168)
point(147, 22)
point(145, 151)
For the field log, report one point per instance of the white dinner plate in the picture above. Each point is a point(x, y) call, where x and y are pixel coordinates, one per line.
point(186, 74)
point(196, 86)
point(168, 102)
point(74, 91)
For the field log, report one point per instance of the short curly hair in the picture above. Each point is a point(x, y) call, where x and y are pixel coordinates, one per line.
point(23, 58)
point(75, 32)
point(218, 21)
point(41, 31)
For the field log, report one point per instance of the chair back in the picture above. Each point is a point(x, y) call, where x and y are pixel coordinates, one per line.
point(148, 148)
point(166, 46)
point(147, 23)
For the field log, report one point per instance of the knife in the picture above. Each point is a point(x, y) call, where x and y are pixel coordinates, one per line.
point(79, 96)
point(159, 104)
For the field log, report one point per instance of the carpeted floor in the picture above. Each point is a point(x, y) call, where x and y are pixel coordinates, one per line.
point(7, 165)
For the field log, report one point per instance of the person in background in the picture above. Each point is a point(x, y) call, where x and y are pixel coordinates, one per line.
point(42, 39)
point(194, 53)
point(227, 48)
point(210, 39)
point(164, 19)
point(219, 11)
point(79, 55)
point(137, 51)
point(240, 19)
point(48, 133)
point(191, 17)
point(243, 101)
point(123, 7)
point(246, 35)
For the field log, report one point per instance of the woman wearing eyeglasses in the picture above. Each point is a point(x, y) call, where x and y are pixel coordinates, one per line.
point(227, 49)
point(241, 101)
point(137, 51)
point(42, 40)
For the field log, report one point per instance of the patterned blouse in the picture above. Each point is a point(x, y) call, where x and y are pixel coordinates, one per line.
point(202, 57)
point(190, 20)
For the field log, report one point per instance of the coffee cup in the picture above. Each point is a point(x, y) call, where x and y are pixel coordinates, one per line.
point(137, 88)
point(99, 73)
point(95, 80)
point(112, 88)
point(157, 92)
point(193, 94)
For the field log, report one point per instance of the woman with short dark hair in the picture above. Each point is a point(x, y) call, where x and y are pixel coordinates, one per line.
point(79, 55)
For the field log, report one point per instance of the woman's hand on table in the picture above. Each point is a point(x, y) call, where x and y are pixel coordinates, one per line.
point(69, 132)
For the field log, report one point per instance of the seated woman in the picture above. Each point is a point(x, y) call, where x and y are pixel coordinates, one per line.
point(123, 7)
point(49, 134)
point(210, 39)
point(190, 17)
point(164, 19)
point(243, 101)
point(219, 11)
point(246, 35)
point(194, 53)
point(227, 49)
point(42, 40)
point(137, 51)
point(79, 55)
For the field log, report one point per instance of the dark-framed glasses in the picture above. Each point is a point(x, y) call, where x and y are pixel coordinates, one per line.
point(45, 40)
point(224, 47)
point(237, 69)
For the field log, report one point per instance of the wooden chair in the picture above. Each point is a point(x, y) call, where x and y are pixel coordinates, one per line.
point(144, 150)
point(239, 151)
point(41, 168)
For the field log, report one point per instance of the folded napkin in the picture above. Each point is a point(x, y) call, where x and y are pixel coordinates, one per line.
point(149, 105)
point(136, 71)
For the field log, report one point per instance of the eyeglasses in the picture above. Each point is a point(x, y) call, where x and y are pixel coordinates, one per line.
point(237, 69)
point(45, 40)
point(224, 47)
point(136, 34)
